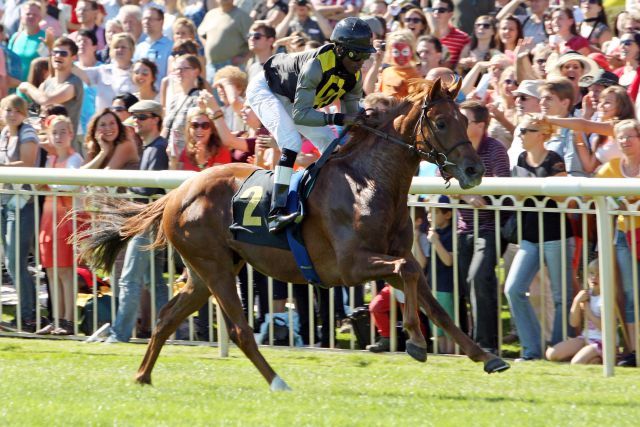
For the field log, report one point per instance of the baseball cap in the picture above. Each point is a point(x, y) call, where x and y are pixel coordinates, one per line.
point(529, 88)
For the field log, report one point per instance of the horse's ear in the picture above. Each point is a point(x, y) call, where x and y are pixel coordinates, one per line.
point(455, 88)
point(436, 89)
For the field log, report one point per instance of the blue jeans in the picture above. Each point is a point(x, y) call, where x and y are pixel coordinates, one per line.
point(625, 264)
point(525, 265)
point(136, 273)
point(17, 263)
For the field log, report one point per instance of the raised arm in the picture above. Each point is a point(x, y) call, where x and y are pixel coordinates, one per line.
point(206, 100)
point(60, 95)
point(508, 9)
point(581, 125)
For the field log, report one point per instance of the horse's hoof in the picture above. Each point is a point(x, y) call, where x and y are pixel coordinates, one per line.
point(417, 352)
point(496, 365)
point(278, 384)
point(143, 380)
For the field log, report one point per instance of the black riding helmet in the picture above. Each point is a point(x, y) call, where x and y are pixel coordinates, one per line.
point(353, 34)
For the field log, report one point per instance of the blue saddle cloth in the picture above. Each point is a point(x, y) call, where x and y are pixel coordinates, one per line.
point(251, 205)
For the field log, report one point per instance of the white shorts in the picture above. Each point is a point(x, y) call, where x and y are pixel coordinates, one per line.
point(275, 113)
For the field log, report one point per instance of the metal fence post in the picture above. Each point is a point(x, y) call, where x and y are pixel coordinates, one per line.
point(607, 279)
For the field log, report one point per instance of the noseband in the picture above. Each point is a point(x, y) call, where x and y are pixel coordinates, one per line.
point(439, 158)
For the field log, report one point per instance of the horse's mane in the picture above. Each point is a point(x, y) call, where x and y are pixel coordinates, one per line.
point(419, 90)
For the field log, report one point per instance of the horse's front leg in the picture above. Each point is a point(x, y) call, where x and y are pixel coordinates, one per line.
point(401, 273)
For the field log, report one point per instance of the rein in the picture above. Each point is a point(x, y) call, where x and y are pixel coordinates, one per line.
point(439, 158)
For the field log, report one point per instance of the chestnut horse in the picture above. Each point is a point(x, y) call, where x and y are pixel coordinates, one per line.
point(357, 227)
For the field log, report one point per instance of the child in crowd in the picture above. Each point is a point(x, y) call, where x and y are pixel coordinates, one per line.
point(440, 238)
point(56, 228)
point(587, 348)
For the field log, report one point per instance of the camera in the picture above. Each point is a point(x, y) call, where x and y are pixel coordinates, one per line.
point(383, 46)
point(301, 2)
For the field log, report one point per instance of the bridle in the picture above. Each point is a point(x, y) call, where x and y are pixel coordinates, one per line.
point(433, 155)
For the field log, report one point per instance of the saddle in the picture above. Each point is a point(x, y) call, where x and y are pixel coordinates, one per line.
point(251, 205)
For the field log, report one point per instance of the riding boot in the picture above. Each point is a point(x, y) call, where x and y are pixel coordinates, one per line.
point(279, 217)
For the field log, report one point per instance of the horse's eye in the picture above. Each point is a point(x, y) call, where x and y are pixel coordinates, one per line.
point(441, 124)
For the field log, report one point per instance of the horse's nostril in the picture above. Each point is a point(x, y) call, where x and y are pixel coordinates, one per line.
point(471, 171)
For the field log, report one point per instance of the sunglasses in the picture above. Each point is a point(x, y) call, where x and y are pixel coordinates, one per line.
point(627, 42)
point(142, 117)
point(511, 82)
point(589, 1)
point(256, 36)
point(118, 109)
point(201, 125)
point(541, 61)
point(413, 20)
point(358, 56)
point(484, 25)
point(523, 98)
point(142, 72)
point(62, 53)
point(524, 131)
point(441, 9)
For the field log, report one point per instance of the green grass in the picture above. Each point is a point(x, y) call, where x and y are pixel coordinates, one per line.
point(70, 383)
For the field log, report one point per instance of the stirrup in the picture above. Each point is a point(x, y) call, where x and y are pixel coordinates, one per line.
point(279, 219)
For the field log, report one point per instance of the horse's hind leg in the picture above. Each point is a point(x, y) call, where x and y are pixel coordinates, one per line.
point(436, 313)
point(192, 297)
point(222, 282)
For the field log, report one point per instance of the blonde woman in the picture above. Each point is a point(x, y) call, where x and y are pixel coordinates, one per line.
point(203, 146)
point(55, 250)
point(112, 79)
point(503, 109)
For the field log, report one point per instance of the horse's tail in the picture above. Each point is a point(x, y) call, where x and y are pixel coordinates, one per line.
point(116, 223)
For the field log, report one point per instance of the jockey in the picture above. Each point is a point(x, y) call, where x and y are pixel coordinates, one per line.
point(293, 86)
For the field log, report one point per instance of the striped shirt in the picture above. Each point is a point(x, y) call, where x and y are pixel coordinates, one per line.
point(455, 41)
point(496, 163)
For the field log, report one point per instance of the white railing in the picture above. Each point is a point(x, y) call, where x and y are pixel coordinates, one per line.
point(590, 195)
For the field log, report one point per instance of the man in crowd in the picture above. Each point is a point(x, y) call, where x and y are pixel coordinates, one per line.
point(28, 43)
point(140, 263)
point(155, 47)
point(225, 29)
point(477, 256)
point(261, 39)
point(87, 12)
point(556, 99)
point(300, 18)
point(62, 88)
point(454, 39)
point(131, 18)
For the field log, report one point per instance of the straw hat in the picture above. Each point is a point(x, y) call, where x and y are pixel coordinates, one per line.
point(591, 67)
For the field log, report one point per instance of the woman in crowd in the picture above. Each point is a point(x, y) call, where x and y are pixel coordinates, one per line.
point(415, 21)
point(395, 80)
point(627, 136)
point(630, 54)
point(503, 109)
point(537, 161)
point(38, 73)
point(111, 28)
point(18, 148)
point(169, 85)
point(56, 228)
point(187, 74)
point(614, 105)
point(203, 145)
point(107, 144)
point(594, 27)
point(483, 44)
point(113, 78)
point(429, 49)
point(509, 32)
point(567, 37)
point(145, 73)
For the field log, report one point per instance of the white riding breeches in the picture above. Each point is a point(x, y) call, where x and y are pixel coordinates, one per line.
point(275, 113)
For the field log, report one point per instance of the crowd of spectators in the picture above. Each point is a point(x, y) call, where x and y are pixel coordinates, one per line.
point(549, 88)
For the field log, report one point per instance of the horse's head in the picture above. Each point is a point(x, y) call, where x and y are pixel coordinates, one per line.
point(440, 133)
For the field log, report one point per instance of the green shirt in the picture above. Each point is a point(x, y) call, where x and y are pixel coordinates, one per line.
point(26, 47)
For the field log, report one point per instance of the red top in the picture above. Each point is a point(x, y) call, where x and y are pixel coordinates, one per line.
point(577, 42)
point(223, 156)
point(455, 41)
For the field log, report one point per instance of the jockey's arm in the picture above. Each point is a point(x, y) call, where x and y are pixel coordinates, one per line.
point(303, 112)
point(350, 102)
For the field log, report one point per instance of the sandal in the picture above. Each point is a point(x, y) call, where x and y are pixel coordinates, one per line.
point(47, 330)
